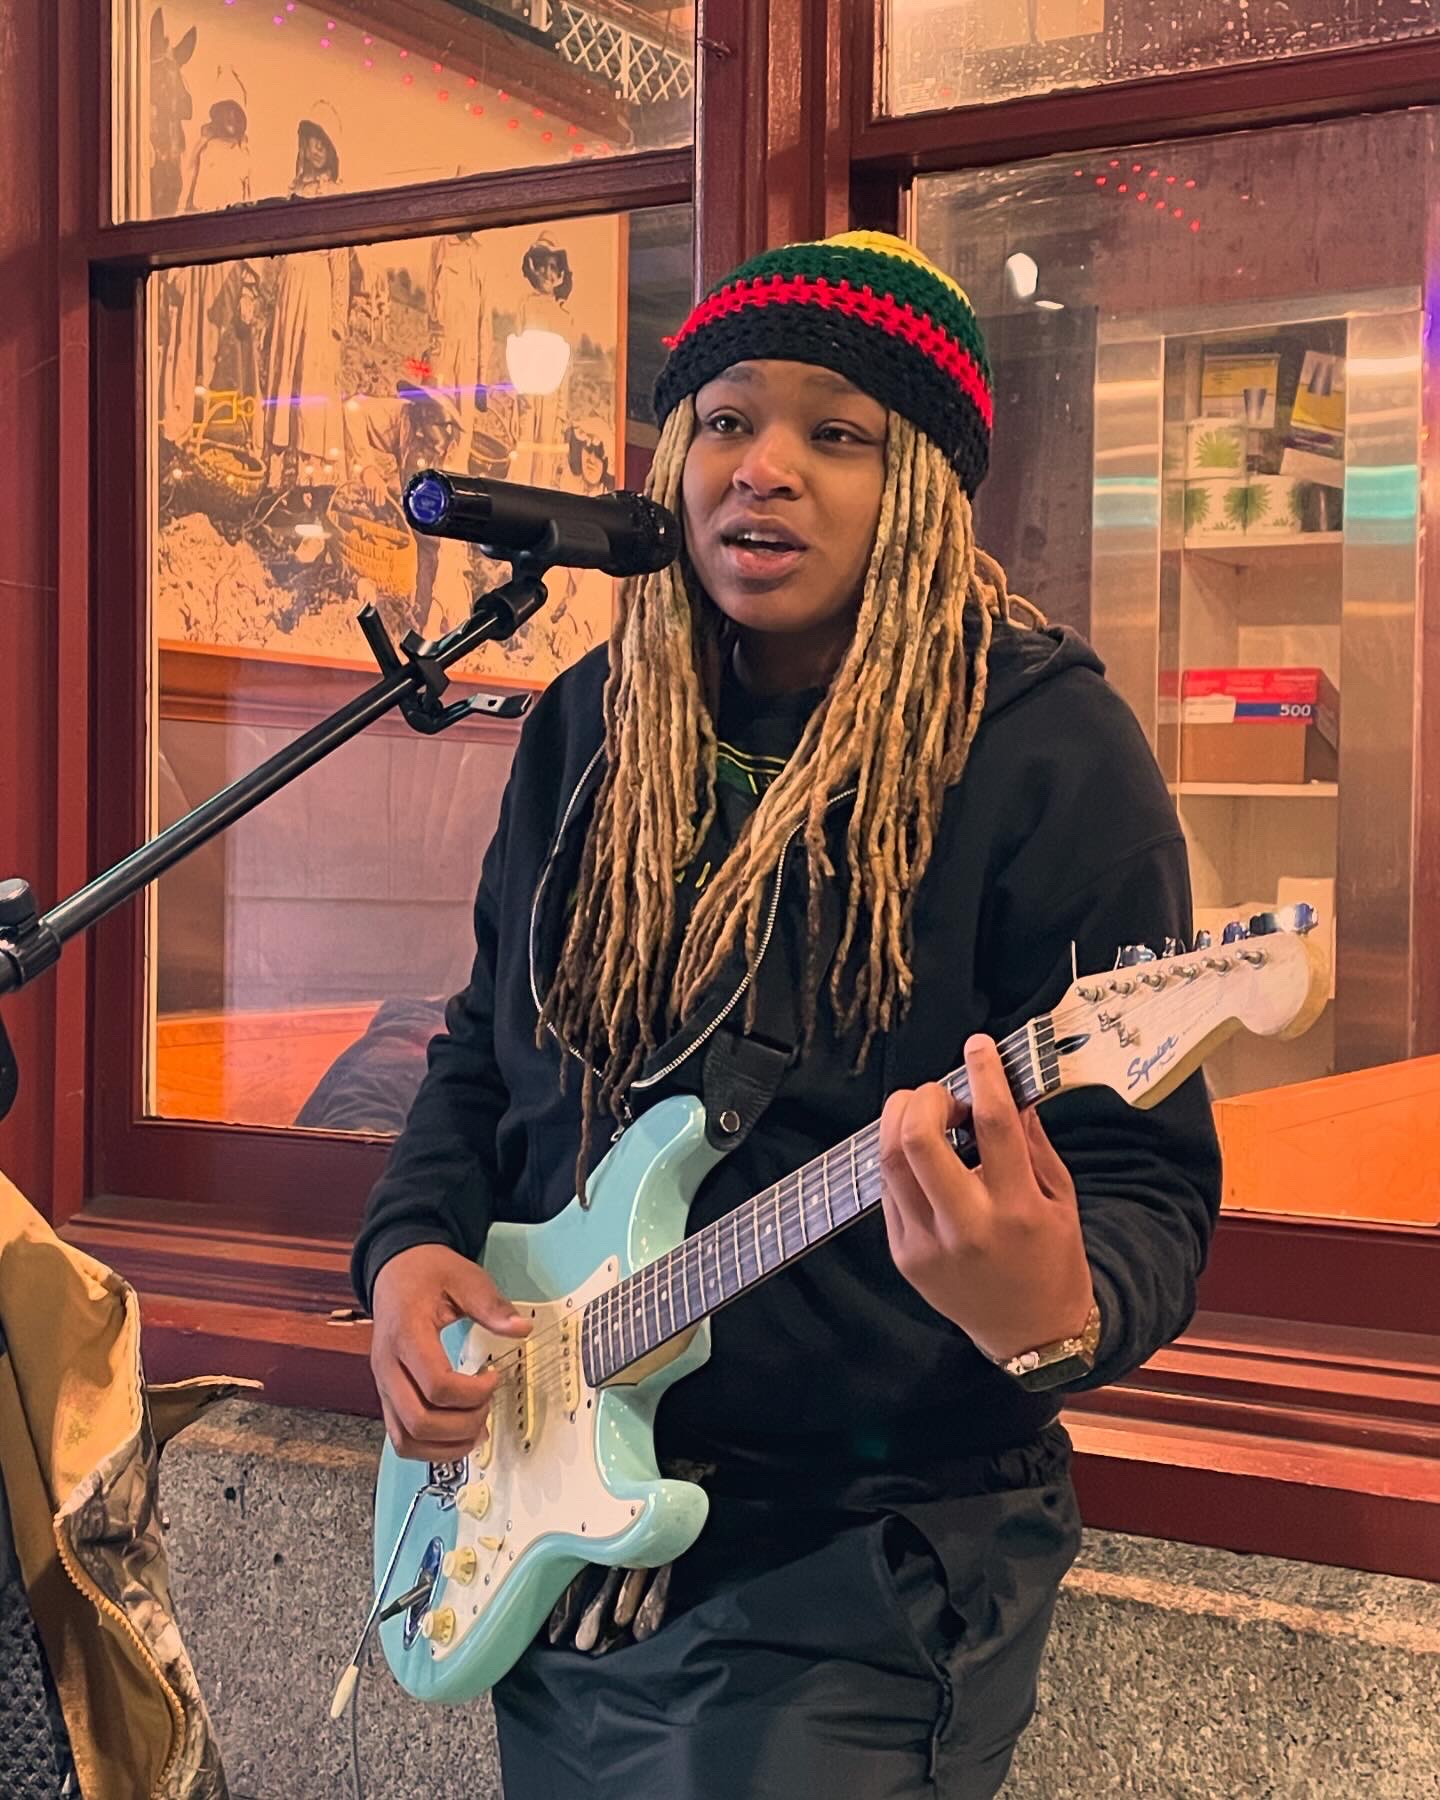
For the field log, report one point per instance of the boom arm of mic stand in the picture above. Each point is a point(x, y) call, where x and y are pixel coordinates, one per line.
point(412, 678)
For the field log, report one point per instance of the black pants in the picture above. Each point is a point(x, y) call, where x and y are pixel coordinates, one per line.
point(897, 1660)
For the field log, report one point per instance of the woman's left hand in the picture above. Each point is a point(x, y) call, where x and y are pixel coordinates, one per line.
point(997, 1250)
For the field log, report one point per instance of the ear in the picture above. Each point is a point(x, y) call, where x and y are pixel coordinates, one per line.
point(185, 49)
point(158, 45)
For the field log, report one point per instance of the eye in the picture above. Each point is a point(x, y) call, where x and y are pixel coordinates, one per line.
point(724, 423)
point(836, 433)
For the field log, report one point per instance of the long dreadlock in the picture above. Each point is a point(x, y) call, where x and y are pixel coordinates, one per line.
point(896, 724)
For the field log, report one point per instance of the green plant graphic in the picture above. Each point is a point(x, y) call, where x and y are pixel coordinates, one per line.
point(1217, 450)
point(1295, 506)
point(1246, 506)
point(1197, 507)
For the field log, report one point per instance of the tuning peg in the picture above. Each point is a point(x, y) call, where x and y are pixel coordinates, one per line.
point(1173, 947)
point(1203, 940)
point(1234, 933)
point(1135, 953)
point(1264, 924)
point(1303, 917)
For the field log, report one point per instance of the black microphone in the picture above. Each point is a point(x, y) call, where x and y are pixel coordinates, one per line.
point(623, 534)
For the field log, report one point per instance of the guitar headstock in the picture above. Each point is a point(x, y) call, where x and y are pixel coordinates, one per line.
point(1146, 1024)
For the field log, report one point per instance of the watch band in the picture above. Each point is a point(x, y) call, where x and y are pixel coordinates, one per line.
point(1065, 1359)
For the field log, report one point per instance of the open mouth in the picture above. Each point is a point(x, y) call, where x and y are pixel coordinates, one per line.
point(761, 552)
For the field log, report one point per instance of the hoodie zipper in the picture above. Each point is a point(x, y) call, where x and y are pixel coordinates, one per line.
point(703, 1037)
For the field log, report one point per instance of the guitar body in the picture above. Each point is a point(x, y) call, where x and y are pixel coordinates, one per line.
point(568, 1474)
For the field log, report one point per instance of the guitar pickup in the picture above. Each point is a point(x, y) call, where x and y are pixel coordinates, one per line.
point(524, 1394)
point(570, 1364)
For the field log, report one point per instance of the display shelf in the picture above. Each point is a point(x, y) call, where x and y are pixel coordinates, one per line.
point(1273, 553)
point(1255, 790)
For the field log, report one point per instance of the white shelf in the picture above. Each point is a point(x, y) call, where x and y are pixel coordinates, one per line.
point(1245, 553)
point(1256, 790)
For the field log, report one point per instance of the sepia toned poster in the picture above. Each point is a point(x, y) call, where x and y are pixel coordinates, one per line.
point(292, 397)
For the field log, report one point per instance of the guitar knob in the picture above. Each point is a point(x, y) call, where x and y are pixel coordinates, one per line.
point(1265, 924)
point(1173, 947)
point(1203, 940)
point(1135, 953)
point(474, 1499)
point(459, 1565)
point(1303, 917)
point(1234, 933)
point(439, 1626)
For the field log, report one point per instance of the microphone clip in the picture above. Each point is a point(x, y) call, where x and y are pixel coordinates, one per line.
point(493, 616)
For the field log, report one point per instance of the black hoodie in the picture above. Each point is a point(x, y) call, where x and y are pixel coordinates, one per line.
point(1059, 831)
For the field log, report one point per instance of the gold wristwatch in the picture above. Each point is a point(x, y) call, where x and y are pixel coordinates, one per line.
point(1052, 1365)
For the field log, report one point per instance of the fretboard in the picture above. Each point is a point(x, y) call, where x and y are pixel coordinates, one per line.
point(774, 1228)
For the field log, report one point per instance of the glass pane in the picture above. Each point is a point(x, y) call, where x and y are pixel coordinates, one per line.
point(229, 102)
point(1210, 361)
point(942, 53)
point(290, 398)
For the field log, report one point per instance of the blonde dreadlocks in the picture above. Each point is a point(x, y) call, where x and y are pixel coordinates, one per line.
point(896, 725)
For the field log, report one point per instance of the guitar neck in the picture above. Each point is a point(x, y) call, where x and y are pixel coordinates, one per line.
point(775, 1227)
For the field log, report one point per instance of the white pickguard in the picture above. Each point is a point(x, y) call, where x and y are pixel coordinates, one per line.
point(551, 1486)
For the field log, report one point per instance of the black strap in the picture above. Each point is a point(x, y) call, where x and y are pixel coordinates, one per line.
point(745, 1065)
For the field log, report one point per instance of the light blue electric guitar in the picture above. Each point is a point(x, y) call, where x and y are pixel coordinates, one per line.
point(479, 1550)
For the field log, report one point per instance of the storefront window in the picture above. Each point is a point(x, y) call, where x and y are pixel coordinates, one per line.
point(290, 399)
point(942, 53)
point(224, 103)
point(1210, 359)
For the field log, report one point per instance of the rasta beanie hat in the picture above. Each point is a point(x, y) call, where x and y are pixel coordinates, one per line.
point(866, 305)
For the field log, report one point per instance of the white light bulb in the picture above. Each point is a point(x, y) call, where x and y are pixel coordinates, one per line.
point(1024, 273)
point(537, 361)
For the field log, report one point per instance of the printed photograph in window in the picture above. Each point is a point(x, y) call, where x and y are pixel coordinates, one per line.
point(212, 95)
point(294, 396)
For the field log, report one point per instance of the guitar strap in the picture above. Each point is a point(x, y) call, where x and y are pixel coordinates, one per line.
point(745, 1062)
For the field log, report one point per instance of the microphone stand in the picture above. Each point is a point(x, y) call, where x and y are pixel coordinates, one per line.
point(412, 678)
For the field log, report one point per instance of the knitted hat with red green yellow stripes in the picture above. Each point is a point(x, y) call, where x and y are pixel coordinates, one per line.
point(866, 305)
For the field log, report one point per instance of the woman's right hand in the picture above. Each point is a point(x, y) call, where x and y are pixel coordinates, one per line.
point(432, 1412)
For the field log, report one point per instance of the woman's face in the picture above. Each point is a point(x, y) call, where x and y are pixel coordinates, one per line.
point(592, 465)
point(315, 152)
point(781, 492)
point(549, 272)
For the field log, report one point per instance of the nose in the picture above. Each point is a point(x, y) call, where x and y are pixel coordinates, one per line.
point(770, 466)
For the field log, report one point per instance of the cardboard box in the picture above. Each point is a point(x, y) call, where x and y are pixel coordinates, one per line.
point(1214, 449)
point(1243, 753)
point(1215, 510)
point(1275, 508)
point(1262, 725)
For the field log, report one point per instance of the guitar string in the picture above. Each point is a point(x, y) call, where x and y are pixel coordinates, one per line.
point(692, 1250)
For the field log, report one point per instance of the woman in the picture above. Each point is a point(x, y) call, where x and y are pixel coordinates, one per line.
point(831, 699)
point(544, 318)
point(312, 313)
